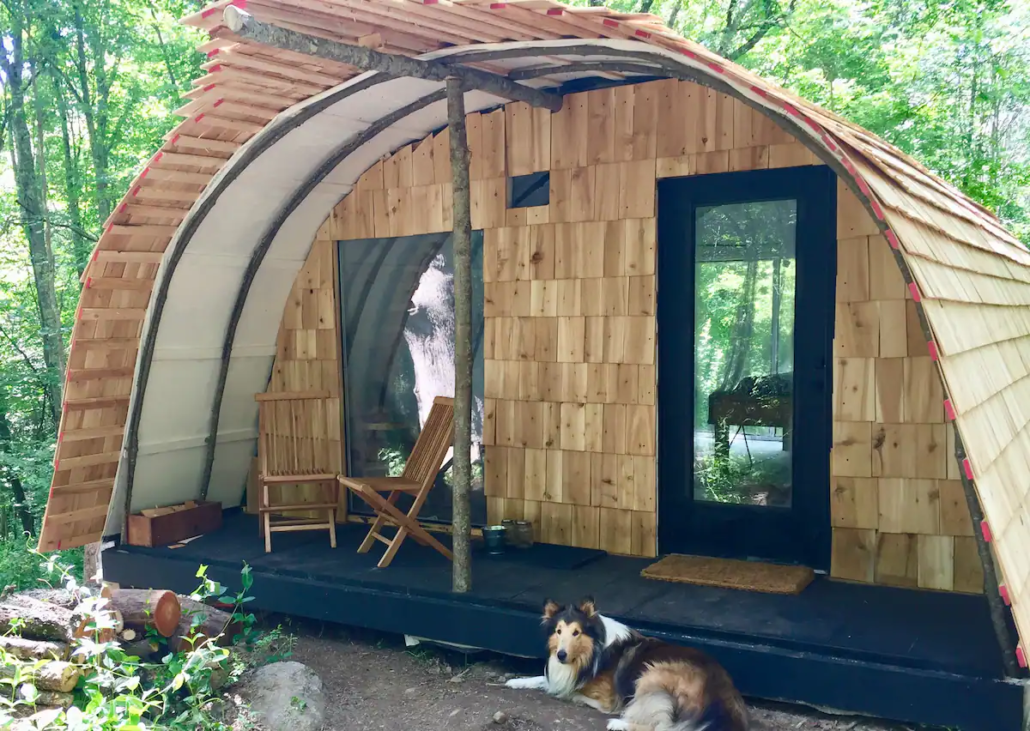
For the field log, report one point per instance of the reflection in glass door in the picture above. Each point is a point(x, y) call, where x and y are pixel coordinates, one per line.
point(746, 281)
point(744, 352)
point(397, 326)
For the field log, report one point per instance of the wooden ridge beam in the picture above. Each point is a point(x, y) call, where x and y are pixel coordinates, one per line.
point(245, 25)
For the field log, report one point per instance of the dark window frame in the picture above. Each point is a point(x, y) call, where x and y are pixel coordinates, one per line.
point(801, 533)
point(529, 191)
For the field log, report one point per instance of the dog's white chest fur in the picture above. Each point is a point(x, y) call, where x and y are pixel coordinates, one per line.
point(561, 678)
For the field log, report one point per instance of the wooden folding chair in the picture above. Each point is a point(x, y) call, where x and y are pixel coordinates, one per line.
point(419, 475)
point(295, 449)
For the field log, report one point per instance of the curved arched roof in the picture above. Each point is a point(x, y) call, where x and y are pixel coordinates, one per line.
point(183, 297)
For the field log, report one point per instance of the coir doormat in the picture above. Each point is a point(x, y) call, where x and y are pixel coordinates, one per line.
point(731, 574)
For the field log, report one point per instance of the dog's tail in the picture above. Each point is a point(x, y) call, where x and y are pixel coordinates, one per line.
point(671, 697)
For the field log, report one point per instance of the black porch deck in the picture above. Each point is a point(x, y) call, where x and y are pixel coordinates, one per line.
point(912, 656)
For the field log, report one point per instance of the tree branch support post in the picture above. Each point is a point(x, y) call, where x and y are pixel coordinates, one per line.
point(246, 26)
point(462, 242)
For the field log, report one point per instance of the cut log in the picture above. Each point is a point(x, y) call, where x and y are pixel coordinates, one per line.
point(144, 608)
point(211, 622)
point(128, 635)
point(37, 620)
point(143, 649)
point(24, 649)
point(53, 699)
point(57, 676)
point(60, 597)
point(106, 622)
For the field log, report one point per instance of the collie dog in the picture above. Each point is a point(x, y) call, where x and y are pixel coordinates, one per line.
point(655, 686)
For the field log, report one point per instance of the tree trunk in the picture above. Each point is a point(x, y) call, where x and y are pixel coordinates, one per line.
point(44, 190)
point(743, 329)
point(462, 242)
point(96, 118)
point(72, 186)
point(92, 572)
point(144, 608)
point(164, 48)
point(32, 215)
point(38, 620)
point(10, 475)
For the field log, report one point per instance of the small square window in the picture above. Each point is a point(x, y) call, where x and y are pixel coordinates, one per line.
point(527, 191)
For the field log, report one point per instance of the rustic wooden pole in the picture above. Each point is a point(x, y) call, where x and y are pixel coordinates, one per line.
point(247, 26)
point(462, 242)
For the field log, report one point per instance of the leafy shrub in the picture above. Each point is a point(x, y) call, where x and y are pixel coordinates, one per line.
point(21, 568)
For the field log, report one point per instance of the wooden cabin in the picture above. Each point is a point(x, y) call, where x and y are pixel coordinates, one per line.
point(710, 318)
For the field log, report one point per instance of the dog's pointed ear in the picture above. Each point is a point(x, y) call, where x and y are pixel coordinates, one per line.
point(551, 608)
point(587, 606)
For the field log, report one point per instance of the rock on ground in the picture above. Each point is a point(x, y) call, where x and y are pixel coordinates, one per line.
point(285, 695)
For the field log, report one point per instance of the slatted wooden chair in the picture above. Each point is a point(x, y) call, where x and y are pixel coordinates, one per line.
point(417, 480)
point(295, 450)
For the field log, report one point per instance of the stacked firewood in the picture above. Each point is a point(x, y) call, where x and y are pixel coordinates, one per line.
point(44, 629)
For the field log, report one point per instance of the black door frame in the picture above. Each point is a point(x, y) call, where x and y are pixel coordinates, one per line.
point(802, 533)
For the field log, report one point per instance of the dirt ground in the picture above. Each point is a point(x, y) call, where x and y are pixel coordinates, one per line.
point(372, 681)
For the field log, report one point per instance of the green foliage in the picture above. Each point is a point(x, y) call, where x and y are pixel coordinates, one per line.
point(99, 115)
point(21, 568)
point(181, 692)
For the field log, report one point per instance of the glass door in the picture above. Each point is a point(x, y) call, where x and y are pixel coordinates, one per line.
point(747, 266)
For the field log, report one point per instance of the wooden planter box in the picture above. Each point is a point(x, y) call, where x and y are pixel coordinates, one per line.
point(159, 528)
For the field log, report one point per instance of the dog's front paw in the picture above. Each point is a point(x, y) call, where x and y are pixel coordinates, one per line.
point(523, 683)
point(617, 724)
